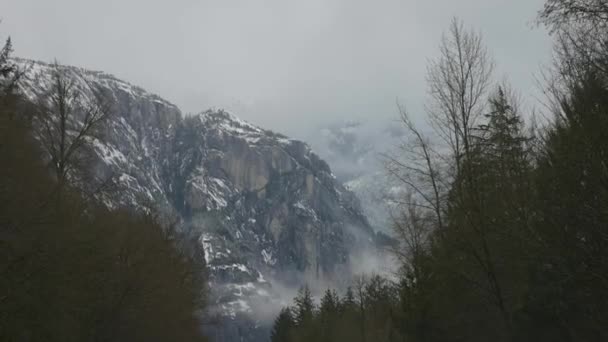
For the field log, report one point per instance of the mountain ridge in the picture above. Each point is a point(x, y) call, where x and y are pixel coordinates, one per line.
point(268, 211)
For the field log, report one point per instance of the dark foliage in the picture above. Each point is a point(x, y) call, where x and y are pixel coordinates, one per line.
point(505, 237)
point(70, 269)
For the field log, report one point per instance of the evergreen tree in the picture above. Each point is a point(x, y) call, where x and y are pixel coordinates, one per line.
point(305, 317)
point(503, 138)
point(328, 314)
point(304, 307)
point(8, 70)
point(329, 303)
point(283, 326)
point(569, 286)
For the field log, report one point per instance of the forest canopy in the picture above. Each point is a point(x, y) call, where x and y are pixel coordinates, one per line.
point(503, 234)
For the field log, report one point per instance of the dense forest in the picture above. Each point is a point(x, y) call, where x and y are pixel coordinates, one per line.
point(504, 234)
point(70, 268)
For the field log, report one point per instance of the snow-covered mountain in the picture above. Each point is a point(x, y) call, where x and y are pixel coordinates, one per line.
point(268, 211)
point(356, 150)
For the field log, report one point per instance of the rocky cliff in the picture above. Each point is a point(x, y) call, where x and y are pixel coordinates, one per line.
point(267, 210)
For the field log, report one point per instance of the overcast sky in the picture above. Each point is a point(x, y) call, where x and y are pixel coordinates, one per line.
point(286, 65)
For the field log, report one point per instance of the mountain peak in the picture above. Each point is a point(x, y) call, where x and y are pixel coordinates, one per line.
point(38, 75)
point(221, 118)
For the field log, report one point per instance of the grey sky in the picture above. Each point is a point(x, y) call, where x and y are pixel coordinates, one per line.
point(286, 65)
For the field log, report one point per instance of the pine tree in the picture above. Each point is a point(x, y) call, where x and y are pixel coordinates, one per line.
point(6, 66)
point(305, 317)
point(329, 302)
point(349, 300)
point(503, 140)
point(9, 72)
point(283, 327)
point(304, 307)
point(328, 314)
point(569, 286)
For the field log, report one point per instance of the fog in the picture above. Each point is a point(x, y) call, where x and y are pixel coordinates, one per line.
point(290, 66)
point(362, 265)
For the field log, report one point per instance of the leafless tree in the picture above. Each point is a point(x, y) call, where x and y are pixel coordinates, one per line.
point(581, 31)
point(458, 82)
point(559, 13)
point(417, 165)
point(412, 227)
point(66, 121)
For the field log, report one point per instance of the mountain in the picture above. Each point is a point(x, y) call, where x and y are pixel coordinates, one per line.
point(377, 198)
point(357, 150)
point(268, 211)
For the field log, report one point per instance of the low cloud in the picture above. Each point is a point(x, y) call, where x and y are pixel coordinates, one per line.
point(285, 65)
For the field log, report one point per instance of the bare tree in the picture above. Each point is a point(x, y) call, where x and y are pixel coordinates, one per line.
point(581, 31)
point(412, 228)
point(66, 121)
point(458, 83)
point(448, 177)
point(417, 165)
point(559, 13)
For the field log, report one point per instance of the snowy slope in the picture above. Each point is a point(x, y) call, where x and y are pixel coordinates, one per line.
point(267, 210)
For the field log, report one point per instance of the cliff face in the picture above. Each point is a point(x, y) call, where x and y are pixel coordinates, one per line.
point(267, 210)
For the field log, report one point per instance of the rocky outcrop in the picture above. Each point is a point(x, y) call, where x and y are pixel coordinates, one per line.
point(267, 210)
